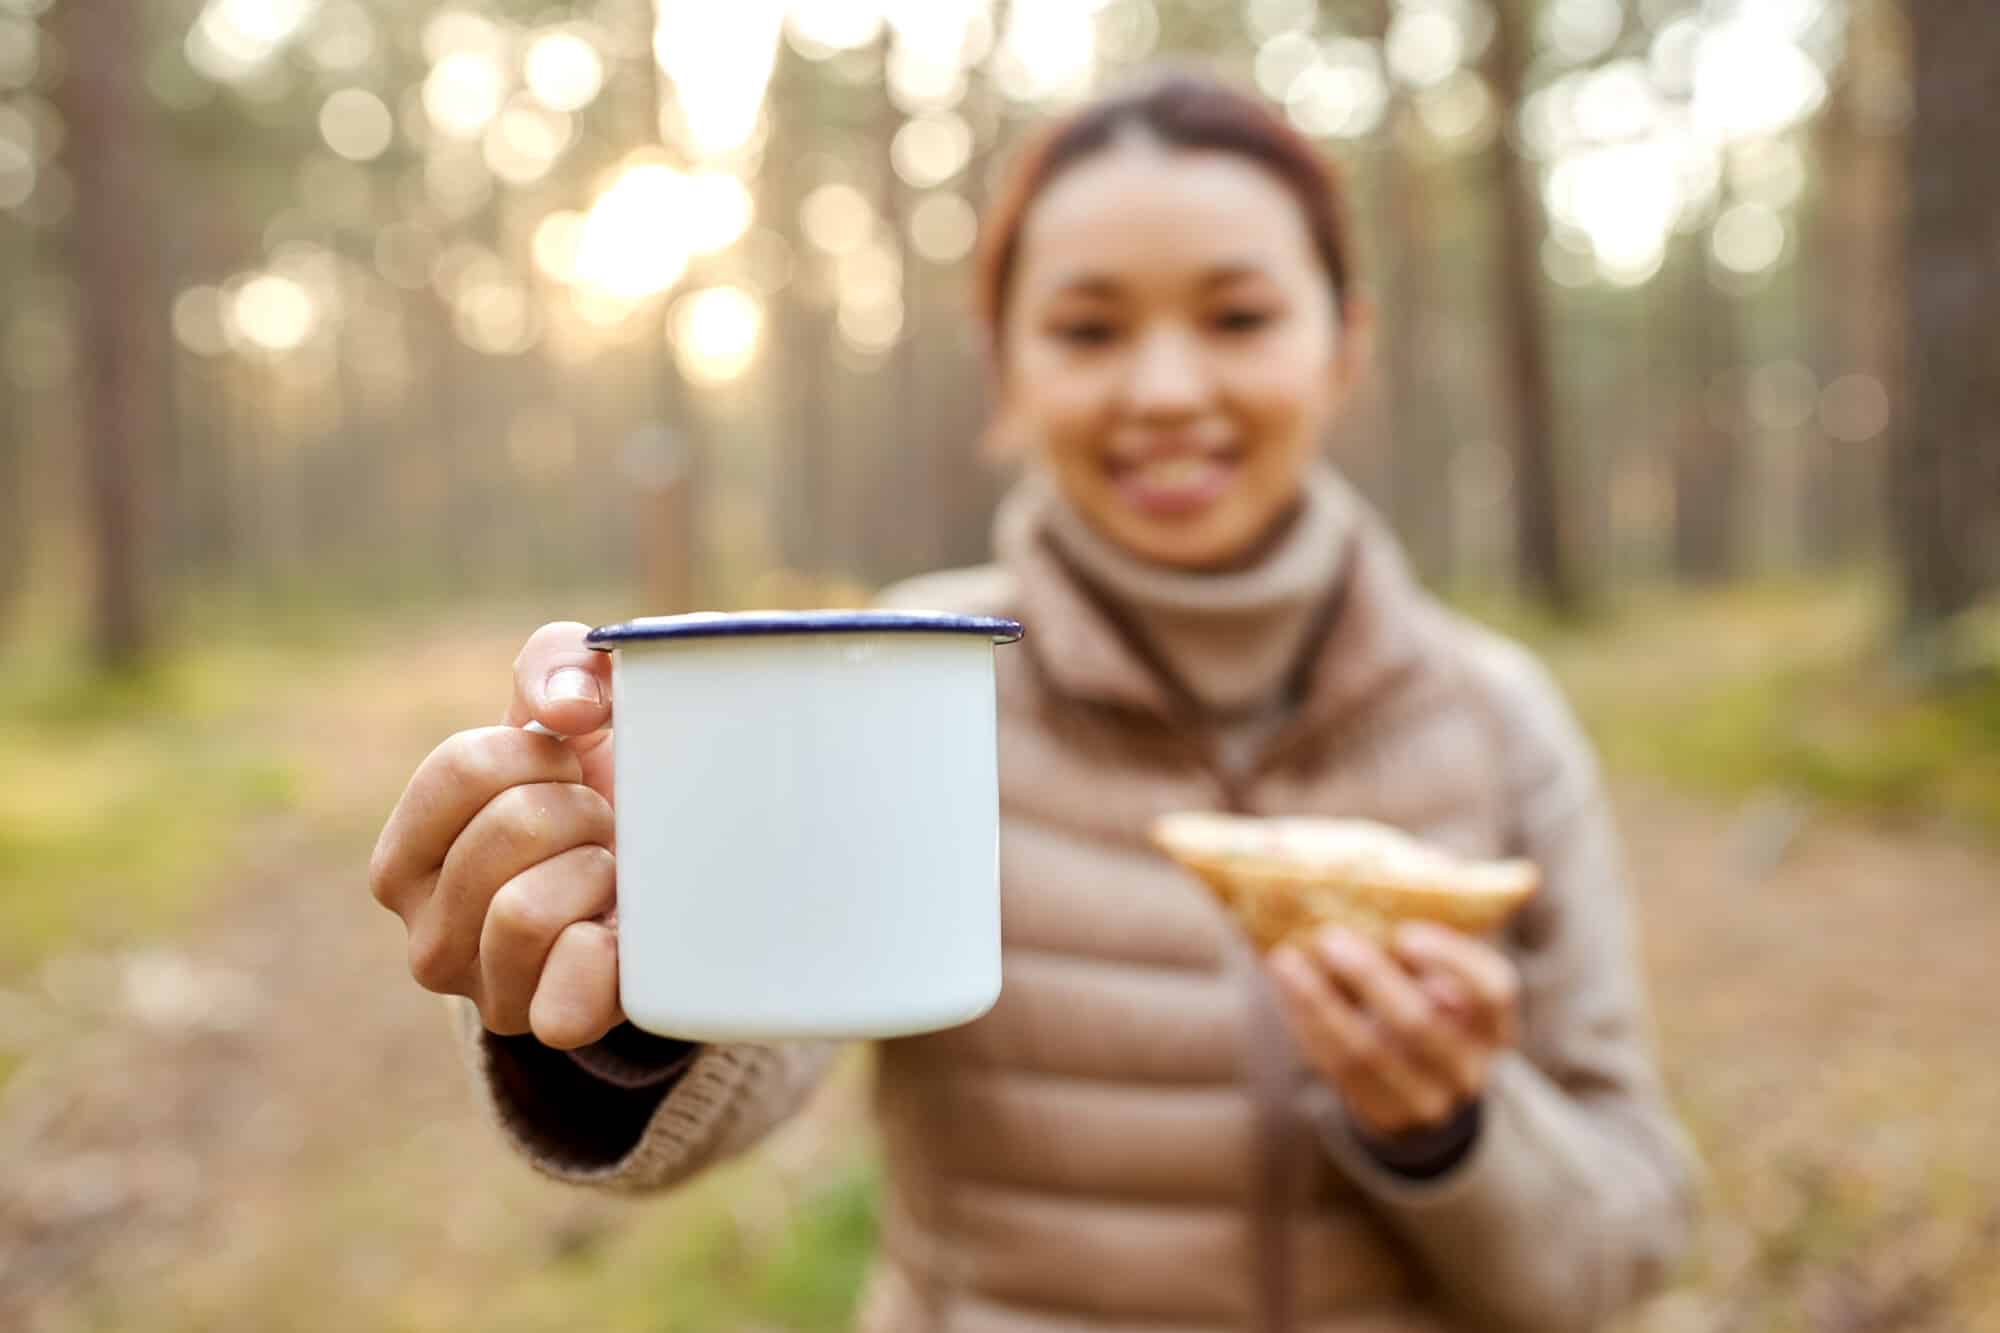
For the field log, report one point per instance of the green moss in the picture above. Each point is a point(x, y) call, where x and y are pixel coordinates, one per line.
point(119, 791)
point(1784, 684)
point(813, 1277)
point(693, 1266)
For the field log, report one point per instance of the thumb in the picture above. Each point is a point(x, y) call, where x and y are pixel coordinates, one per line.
point(561, 683)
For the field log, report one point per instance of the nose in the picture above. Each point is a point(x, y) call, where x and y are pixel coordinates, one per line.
point(1169, 378)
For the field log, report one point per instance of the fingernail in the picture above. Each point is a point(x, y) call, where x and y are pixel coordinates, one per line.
point(572, 685)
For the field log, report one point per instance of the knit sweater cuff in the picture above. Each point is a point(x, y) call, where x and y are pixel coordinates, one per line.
point(626, 1057)
point(1427, 1153)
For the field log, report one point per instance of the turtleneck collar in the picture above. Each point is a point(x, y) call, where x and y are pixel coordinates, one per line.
point(1228, 643)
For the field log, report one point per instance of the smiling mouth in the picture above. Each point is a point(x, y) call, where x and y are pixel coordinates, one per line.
point(1173, 485)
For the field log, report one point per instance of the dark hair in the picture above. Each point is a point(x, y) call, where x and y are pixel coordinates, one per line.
point(1181, 110)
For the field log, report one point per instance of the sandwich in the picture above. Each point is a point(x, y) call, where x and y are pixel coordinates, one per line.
point(1285, 878)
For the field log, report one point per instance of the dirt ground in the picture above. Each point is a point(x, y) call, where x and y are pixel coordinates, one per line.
point(260, 1124)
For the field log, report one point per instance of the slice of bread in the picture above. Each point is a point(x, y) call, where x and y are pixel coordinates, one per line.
point(1284, 878)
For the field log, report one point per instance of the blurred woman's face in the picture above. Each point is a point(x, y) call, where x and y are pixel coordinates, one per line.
point(1173, 351)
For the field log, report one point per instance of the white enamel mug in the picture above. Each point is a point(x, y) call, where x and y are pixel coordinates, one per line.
point(808, 822)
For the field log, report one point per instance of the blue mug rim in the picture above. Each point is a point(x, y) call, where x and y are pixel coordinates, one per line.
point(755, 624)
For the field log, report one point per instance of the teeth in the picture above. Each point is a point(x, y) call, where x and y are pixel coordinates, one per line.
point(1177, 471)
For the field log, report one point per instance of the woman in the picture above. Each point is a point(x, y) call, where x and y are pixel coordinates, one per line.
point(1152, 1129)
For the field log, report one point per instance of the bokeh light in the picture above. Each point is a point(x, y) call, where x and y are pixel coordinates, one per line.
point(1344, 97)
point(234, 40)
point(563, 70)
point(524, 141)
point(1625, 198)
point(1568, 259)
point(1424, 45)
point(20, 52)
point(633, 241)
point(460, 32)
point(821, 28)
point(1128, 30)
point(462, 93)
point(1771, 172)
point(918, 84)
point(1616, 103)
point(1783, 395)
point(1581, 30)
point(557, 239)
point(493, 314)
point(272, 312)
point(943, 227)
point(871, 275)
point(929, 150)
point(1671, 55)
point(1854, 408)
point(1048, 52)
point(1281, 61)
point(934, 43)
point(1268, 18)
point(1459, 108)
point(461, 264)
point(719, 59)
point(200, 322)
point(716, 209)
point(871, 328)
point(53, 197)
point(17, 157)
point(356, 124)
point(1748, 239)
point(1749, 80)
point(715, 333)
point(342, 37)
point(836, 218)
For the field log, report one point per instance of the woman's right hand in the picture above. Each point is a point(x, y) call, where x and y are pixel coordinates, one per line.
point(499, 857)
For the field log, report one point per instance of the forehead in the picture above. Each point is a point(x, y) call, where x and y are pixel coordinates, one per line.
point(1140, 211)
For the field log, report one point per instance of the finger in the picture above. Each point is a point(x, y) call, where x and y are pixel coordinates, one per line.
point(452, 785)
point(520, 827)
point(1448, 994)
point(561, 683)
point(526, 916)
point(1425, 1059)
point(576, 1001)
point(1488, 978)
point(1337, 1040)
point(1435, 1044)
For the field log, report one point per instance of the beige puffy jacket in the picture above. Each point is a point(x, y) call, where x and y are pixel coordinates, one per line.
point(1126, 1143)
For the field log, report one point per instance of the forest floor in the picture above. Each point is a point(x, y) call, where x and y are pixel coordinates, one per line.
point(224, 1106)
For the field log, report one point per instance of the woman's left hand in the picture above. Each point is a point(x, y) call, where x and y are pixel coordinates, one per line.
point(1404, 1036)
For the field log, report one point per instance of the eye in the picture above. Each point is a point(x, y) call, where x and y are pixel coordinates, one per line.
point(1086, 332)
point(1243, 319)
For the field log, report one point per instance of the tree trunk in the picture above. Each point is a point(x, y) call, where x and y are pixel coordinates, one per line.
point(1946, 484)
point(15, 545)
point(1545, 570)
point(1708, 462)
point(1419, 407)
point(674, 560)
point(107, 161)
